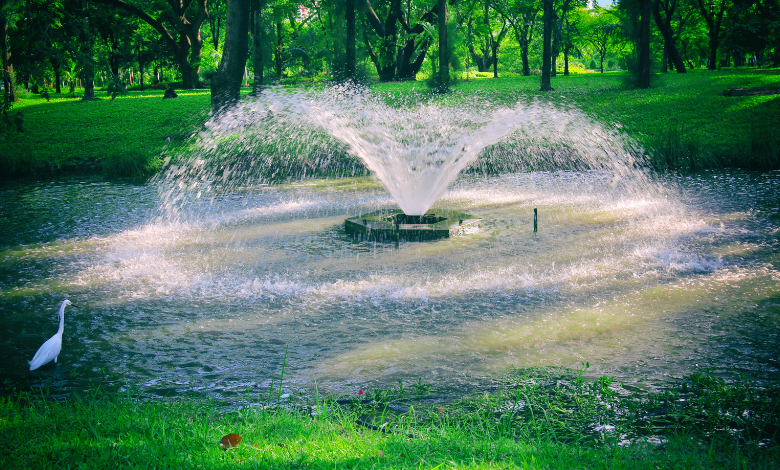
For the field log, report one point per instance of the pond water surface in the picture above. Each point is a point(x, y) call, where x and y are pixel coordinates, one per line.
point(646, 286)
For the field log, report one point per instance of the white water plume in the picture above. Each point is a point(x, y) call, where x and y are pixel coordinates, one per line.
point(415, 145)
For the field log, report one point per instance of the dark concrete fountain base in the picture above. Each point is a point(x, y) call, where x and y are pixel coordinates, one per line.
point(394, 225)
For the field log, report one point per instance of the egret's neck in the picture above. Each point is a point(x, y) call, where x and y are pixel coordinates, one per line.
point(62, 319)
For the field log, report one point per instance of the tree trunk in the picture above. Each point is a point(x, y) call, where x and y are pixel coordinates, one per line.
point(215, 24)
point(469, 34)
point(713, 21)
point(226, 84)
point(479, 59)
point(89, 88)
point(189, 72)
point(714, 41)
point(184, 69)
point(666, 31)
point(482, 66)
point(55, 64)
point(187, 22)
point(486, 56)
point(683, 43)
point(278, 49)
point(257, 46)
point(524, 58)
point(388, 54)
point(113, 57)
point(555, 46)
point(349, 69)
point(406, 69)
point(390, 62)
point(495, 46)
point(9, 83)
point(88, 67)
point(196, 55)
point(644, 43)
point(664, 59)
point(566, 47)
point(523, 30)
point(141, 63)
point(547, 45)
point(444, 59)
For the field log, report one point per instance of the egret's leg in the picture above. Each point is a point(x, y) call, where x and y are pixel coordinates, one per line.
point(55, 358)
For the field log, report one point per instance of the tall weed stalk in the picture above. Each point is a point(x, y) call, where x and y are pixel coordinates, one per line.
point(680, 150)
point(764, 152)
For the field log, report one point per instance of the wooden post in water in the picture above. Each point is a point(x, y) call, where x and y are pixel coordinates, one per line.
point(535, 219)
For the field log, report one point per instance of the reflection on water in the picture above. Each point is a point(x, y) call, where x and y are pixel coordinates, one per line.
point(645, 286)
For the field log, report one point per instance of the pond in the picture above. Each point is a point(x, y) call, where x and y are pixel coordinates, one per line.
point(645, 286)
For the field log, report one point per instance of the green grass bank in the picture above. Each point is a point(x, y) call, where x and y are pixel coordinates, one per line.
point(120, 137)
point(539, 419)
point(684, 122)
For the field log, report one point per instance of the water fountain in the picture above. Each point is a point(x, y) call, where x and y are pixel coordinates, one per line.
point(415, 147)
point(196, 282)
point(394, 225)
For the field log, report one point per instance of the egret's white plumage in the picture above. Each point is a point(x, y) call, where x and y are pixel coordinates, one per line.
point(51, 348)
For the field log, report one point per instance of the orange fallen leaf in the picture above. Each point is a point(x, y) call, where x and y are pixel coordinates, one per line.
point(231, 440)
point(403, 456)
point(442, 408)
point(380, 454)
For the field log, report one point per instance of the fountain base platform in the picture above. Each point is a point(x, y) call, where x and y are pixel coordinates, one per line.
point(394, 225)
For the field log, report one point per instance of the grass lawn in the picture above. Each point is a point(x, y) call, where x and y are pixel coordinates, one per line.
point(532, 423)
point(123, 137)
point(684, 121)
point(680, 110)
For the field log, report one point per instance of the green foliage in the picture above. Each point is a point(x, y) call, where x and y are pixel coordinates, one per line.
point(115, 88)
point(416, 392)
point(535, 418)
point(6, 120)
point(559, 404)
point(311, 42)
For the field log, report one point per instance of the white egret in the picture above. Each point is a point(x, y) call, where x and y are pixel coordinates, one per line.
point(51, 348)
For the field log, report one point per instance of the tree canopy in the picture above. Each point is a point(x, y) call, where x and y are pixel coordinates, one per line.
point(58, 45)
